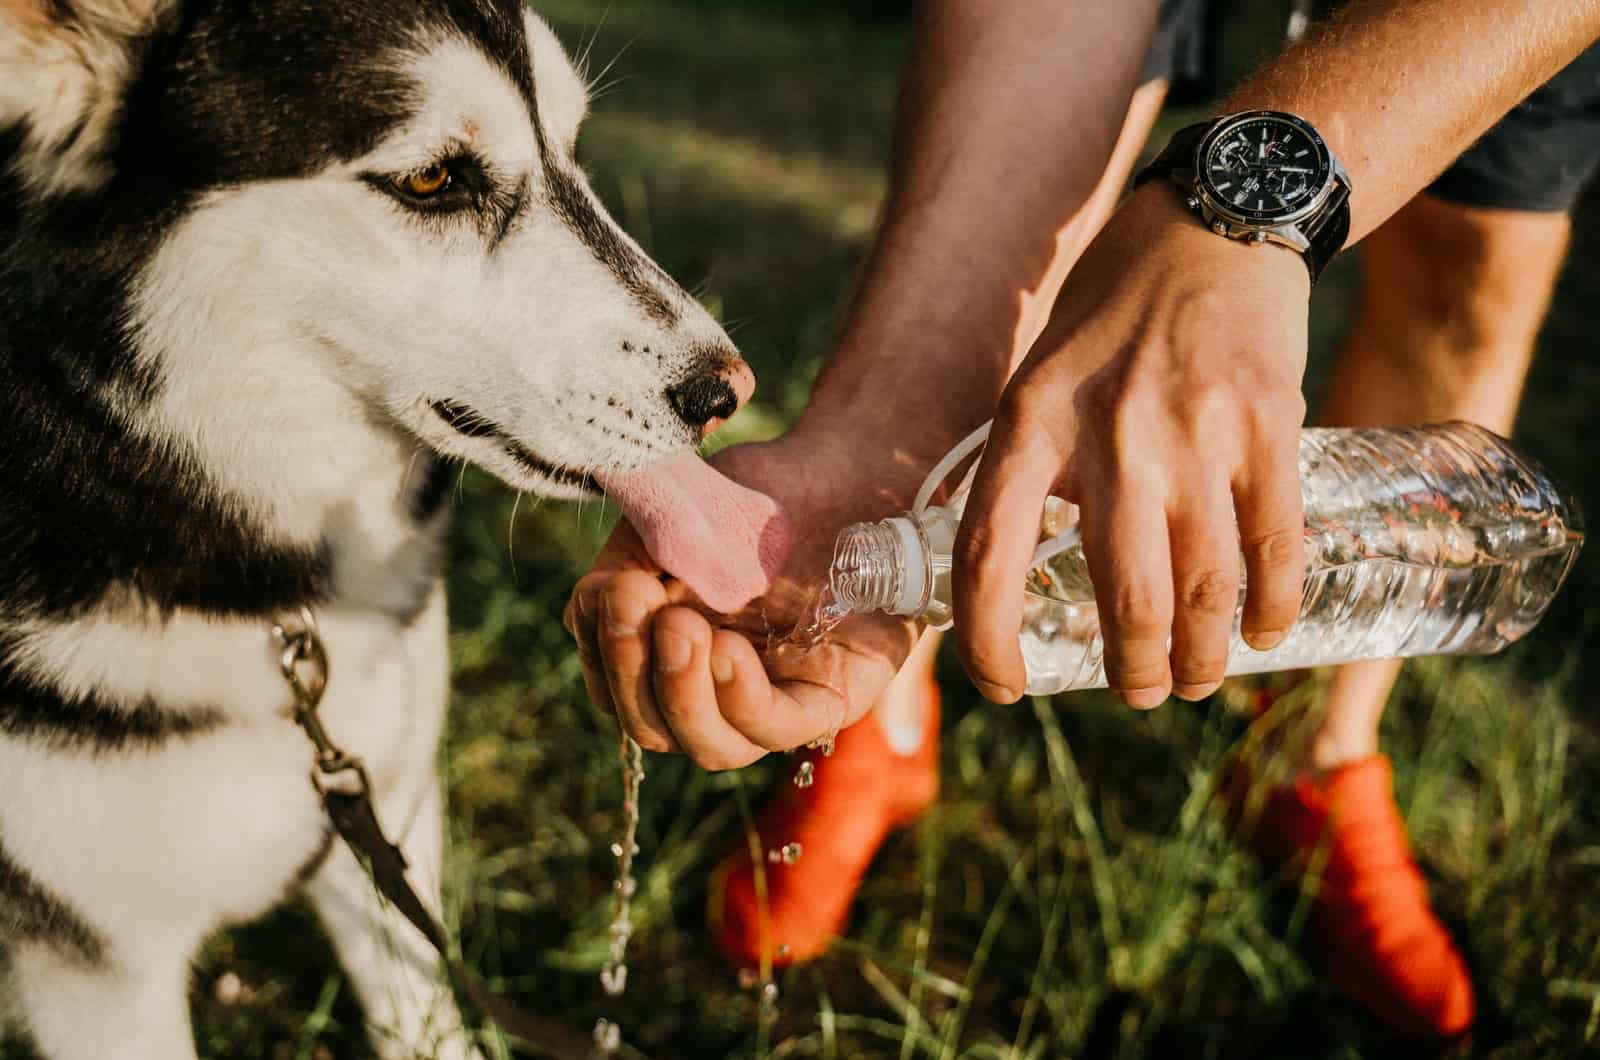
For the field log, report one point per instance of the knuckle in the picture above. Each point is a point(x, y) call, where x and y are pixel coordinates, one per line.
point(1279, 414)
point(1135, 609)
point(1016, 405)
point(1209, 592)
point(1206, 405)
point(978, 554)
point(1276, 549)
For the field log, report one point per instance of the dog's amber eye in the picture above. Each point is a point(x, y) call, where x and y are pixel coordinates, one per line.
point(427, 182)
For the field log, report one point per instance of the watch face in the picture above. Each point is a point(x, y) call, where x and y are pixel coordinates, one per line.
point(1264, 168)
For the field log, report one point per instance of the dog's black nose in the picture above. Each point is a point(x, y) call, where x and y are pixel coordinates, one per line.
point(704, 398)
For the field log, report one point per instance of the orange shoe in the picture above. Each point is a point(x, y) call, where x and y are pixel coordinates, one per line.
point(1377, 934)
point(859, 794)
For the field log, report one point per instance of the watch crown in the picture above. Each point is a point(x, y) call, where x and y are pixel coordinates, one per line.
point(1193, 202)
point(1258, 237)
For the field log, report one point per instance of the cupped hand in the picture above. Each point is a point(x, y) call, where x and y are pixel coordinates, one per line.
point(1164, 399)
point(727, 689)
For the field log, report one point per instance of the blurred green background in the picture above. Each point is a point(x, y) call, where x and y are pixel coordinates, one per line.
point(1075, 894)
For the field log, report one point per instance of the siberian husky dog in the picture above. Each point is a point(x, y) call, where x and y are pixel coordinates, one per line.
point(267, 268)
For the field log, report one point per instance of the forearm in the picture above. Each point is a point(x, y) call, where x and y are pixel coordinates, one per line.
point(1400, 88)
point(1007, 121)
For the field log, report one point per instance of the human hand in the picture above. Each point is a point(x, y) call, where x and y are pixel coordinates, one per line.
point(1163, 398)
point(726, 689)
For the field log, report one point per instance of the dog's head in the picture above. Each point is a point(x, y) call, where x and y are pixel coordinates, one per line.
point(387, 188)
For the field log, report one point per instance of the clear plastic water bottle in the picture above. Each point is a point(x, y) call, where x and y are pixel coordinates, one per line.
point(1438, 540)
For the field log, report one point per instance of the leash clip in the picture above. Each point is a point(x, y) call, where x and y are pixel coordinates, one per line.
point(303, 661)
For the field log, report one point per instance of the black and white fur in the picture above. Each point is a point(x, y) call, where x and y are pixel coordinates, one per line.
point(237, 354)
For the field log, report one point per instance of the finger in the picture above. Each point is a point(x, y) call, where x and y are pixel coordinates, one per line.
point(1125, 544)
point(582, 621)
point(999, 531)
point(627, 605)
point(778, 715)
point(1271, 536)
point(1205, 583)
point(686, 693)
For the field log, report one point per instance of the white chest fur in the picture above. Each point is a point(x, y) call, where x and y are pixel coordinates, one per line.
point(210, 828)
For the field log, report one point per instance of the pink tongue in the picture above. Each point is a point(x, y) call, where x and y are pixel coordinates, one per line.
point(725, 542)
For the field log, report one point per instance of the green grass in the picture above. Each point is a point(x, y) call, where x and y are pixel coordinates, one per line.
point(1075, 894)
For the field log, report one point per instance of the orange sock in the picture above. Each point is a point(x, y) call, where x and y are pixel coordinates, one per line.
point(1379, 939)
point(858, 795)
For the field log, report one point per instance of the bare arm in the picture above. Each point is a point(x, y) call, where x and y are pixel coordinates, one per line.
point(1009, 115)
point(1401, 88)
point(1164, 395)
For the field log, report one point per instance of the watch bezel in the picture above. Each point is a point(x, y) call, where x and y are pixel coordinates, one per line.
point(1262, 220)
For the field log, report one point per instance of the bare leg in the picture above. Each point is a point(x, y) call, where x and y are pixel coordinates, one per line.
point(1452, 299)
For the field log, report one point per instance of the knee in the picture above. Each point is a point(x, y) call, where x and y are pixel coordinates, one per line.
point(1470, 284)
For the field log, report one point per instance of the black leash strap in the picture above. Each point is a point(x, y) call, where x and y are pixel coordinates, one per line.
point(342, 781)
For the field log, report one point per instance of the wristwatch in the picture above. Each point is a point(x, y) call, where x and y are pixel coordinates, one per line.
point(1262, 176)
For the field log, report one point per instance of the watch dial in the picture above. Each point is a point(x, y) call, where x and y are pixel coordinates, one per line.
point(1264, 168)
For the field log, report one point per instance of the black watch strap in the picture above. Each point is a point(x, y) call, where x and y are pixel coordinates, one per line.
point(1326, 232)
point(1177, 156)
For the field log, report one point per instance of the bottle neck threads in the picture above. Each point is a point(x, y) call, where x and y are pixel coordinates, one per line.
point(869, 567)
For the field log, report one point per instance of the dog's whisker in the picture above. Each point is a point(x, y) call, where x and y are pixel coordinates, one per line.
point(511, 534)
point(607, 68)
point(582, 63)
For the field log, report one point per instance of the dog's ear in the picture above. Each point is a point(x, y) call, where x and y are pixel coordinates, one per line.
point(563, 95)
point(63, 69)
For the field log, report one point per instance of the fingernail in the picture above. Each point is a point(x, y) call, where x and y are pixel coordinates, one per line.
point(622, 616)
point(1145, 698)
point(996, 693)
point(721, 669)
point(1265, 640)
point(1194, 693)
point(673, 651)
point(585, 603)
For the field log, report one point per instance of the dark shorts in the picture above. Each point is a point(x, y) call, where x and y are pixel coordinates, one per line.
point(1541, 156)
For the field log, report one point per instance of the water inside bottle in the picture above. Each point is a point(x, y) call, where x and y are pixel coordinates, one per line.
point(1463, 557)
point(1431, 540)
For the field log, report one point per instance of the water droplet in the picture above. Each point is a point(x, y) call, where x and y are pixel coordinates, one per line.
point(625, 887)
point(747, 979)
point(806, 776)
point(614, 980)
point(616, 850)
point(790, 853)
point(769, 999)
point(783, 949)
point(607, 1036)
point(228, 989)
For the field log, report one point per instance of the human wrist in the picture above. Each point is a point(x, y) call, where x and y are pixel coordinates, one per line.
point(898, 424)
point(1157, 217)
